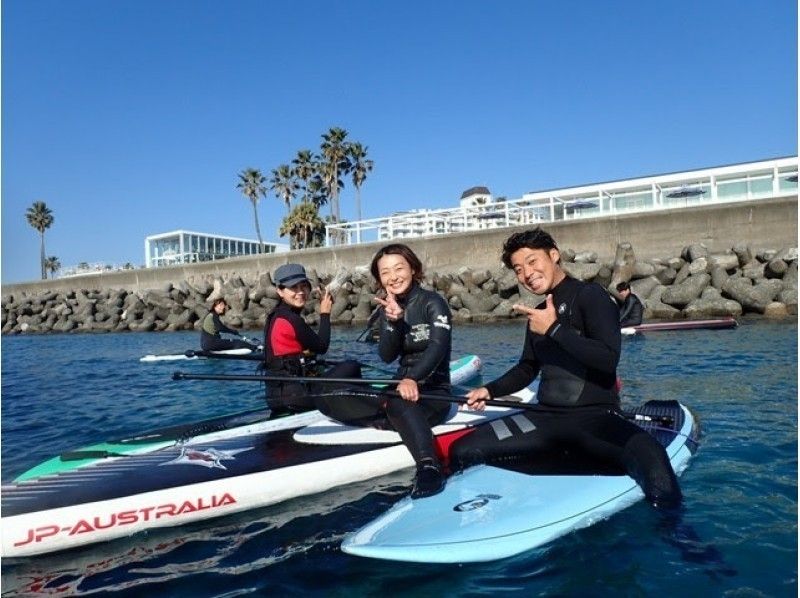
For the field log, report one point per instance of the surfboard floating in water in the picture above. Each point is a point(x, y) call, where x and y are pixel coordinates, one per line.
point(195, 471)
point(718, 323)
point(488, 513)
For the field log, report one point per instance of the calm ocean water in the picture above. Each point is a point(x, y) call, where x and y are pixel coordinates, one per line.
point(738, 535)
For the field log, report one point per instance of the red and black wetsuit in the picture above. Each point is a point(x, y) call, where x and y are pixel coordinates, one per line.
point(577, 360)
point(290, 346)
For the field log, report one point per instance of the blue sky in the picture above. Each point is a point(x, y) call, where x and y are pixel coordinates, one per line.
point(133, 117)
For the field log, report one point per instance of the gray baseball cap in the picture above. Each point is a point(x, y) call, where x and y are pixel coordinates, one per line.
point(289, 275)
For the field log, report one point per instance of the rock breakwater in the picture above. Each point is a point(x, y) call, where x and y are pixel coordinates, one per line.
point(695, 284)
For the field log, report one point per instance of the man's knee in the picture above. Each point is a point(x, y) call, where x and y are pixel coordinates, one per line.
point(648, 464)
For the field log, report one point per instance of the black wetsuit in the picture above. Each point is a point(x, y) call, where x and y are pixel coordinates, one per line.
point(577, 360)
point(631, 311)
point(210, 339)
point(290, 349)
point(422, 340)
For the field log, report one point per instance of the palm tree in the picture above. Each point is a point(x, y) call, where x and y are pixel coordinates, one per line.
point(361, 167)
point(251, 183)
point(52, 265)
point(305, 167)
point(317, 191)
point(335, 164)
point(284, 184)
point(302, 225)
point(40, 217)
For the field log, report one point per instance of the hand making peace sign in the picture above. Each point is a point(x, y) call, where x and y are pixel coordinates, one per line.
point(539, 320)
point(391, 308)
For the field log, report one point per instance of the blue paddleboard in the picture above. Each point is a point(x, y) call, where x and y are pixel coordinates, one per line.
point(488, 513)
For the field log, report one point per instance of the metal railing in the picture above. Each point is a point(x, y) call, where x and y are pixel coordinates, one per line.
point(724, 184)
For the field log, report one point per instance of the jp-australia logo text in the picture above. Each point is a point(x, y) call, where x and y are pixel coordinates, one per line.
point(101, 522)
point(476, 503)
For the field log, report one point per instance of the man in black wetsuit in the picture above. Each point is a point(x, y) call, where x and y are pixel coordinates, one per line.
point(573, 342)
point(631, 309)
point(210, 339)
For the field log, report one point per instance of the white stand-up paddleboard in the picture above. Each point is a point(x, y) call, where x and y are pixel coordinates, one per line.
point(189, 472)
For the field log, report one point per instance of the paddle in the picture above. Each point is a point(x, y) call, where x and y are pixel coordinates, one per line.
point(507, 402)
point(373, 316)
point(81, 455)
point(386, 371)
point(260, 378)
point(212, 355)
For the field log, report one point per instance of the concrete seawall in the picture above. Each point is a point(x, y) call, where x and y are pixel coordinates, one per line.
point(760, 224)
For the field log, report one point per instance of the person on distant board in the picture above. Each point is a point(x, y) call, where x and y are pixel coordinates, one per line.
point(630, 309)
point(573, 343)
point(414, 327)
point(210, 338)
point(291, 346)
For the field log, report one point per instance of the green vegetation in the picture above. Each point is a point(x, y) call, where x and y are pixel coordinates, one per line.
point(52, 264)
point(251, 184)
point(317, 179)
point(40, 217)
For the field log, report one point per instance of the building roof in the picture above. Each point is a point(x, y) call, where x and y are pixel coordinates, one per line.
point(476, 191)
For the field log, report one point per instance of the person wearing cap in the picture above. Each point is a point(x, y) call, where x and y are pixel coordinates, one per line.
point(291, 345)
point(210, 338)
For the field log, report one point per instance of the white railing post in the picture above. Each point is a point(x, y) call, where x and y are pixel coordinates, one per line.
point(552, 209)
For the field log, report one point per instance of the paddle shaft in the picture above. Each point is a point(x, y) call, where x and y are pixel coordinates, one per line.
point(386, 371)
point(666, 420)
point(372, 317)
point(257, 378)
point(251, 357)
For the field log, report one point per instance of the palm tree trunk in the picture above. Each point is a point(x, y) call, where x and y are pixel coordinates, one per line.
point(41, 257)
point(258, 229)
point(358, 201)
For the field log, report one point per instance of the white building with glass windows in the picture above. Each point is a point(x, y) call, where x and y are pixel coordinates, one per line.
point(187, 247)
point(765, 179)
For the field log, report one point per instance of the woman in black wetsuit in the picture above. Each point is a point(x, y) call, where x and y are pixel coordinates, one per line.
point(291, 346)
point(414, 326)
point(210, 339)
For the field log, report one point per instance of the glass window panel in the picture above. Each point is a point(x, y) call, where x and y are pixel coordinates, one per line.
point(734, 190)
point(784, 184)
point(761, 187)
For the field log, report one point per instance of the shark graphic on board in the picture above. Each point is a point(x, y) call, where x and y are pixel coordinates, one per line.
point(205, 457)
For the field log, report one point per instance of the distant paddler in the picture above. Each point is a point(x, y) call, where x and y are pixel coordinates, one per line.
point(631, 309)
point(210, 332)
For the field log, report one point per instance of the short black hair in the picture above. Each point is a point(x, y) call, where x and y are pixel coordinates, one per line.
point(623, 286)
point(397, 249)
point(532, 239)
